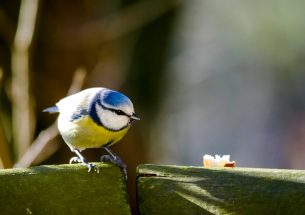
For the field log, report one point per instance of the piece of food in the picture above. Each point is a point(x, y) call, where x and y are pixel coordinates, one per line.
point(218, 161)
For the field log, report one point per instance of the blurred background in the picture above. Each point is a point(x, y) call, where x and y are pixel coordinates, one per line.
point(206, 77)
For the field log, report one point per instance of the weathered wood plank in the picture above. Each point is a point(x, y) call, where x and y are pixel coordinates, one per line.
point(196, 190)
point(63, 189)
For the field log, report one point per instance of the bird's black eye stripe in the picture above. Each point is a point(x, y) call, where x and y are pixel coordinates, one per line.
point(119, 112)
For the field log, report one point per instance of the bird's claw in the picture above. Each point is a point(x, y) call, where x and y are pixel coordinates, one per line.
point(75, 160)
point(116, 161)
point(90, 166)
point(106, 158)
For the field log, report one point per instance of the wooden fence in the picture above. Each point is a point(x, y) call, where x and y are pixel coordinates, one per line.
point(70, 189)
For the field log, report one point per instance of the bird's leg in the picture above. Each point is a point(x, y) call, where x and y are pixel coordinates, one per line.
point(116, 160)
point(81, 159)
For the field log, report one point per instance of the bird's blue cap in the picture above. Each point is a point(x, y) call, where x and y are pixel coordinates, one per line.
point(115, 99)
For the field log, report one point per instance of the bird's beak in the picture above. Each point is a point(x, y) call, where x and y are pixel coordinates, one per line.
point(134, 116)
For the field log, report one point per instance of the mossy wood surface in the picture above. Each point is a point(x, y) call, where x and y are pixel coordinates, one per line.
point(196, 190)
point(63, 189)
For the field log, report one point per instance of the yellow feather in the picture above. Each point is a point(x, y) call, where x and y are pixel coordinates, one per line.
point(85, 133)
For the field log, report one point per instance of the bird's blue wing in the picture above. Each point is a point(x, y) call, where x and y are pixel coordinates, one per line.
point(79, 114)
point(53, 109)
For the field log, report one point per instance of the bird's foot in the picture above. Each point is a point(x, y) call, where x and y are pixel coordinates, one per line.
point(84, 162)
point(92, 166)
point(116, 161)
point(75, 160)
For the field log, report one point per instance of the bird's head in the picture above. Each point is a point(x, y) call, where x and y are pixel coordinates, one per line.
point(114, 110)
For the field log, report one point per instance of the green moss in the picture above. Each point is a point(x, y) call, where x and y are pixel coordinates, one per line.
point(196, 190)
point(63, 189)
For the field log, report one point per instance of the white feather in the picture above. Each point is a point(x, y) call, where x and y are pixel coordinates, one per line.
point(81, 100)
point(111, 120)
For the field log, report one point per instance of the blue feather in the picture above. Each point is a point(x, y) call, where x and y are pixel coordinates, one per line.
point(79, 114)
point(92, 109)
point(53, 109)
point(115, 99)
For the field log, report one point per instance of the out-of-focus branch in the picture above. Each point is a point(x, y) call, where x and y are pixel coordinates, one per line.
point(77, 81)
point(45, 136)
point(23, 113)
point(126, 20)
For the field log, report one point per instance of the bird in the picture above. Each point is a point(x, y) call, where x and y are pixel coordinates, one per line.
point(94, 118)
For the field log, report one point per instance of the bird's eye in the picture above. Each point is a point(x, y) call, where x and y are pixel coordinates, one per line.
point(119, 112)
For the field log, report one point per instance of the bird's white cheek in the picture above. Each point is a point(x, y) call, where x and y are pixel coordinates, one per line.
point(112, 120)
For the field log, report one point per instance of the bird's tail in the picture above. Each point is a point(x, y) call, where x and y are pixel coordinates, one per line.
point(53, 109)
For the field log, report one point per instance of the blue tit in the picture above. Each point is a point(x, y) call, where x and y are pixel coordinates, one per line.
point(94, 118)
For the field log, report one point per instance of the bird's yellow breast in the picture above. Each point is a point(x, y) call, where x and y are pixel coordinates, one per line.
point(85, 133)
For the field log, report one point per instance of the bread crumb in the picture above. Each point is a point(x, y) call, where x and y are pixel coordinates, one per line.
point(218, 161)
